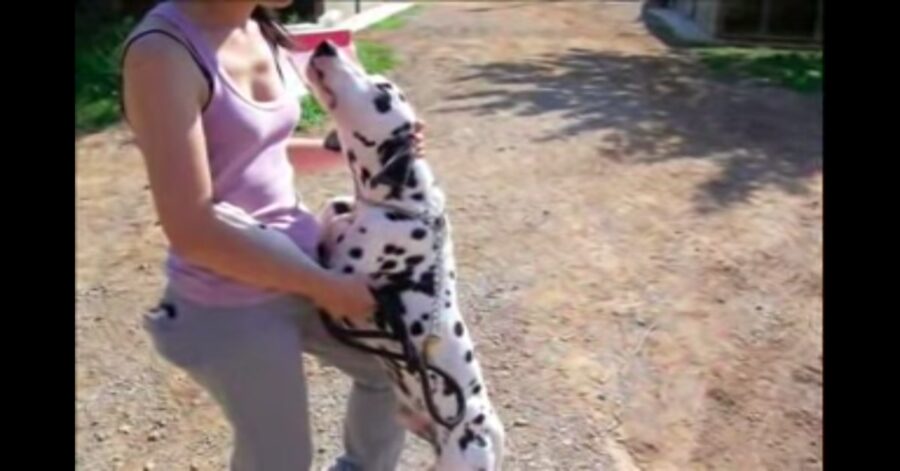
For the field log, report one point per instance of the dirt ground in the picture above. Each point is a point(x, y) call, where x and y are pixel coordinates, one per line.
point(639, 247)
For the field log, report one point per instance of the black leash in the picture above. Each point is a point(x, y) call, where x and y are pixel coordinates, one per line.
point(417, 363)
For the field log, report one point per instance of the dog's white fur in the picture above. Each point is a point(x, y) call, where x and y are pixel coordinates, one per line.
point(365, 236)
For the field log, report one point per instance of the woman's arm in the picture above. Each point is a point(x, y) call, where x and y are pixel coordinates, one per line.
point(308, 155)
point(163, 95)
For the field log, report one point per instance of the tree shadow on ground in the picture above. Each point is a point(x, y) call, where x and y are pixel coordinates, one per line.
point(647, 109)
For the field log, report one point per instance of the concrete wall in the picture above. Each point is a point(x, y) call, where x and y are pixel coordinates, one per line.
point(702, 12)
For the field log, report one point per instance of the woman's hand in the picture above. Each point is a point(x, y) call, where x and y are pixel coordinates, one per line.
point(419, 139)
point(346, 296)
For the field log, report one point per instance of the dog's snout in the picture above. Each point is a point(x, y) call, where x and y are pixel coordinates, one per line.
point(325, 49)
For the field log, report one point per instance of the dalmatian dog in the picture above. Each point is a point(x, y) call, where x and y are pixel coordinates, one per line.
point(395, 233)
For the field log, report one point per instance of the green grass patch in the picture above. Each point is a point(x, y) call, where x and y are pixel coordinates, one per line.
point(794, 69)
point(97, 71)
point(375, 58)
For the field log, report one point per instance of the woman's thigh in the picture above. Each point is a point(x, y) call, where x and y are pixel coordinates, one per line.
point(250, 360)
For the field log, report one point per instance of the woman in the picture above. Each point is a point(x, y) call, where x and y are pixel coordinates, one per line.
point(211, 96)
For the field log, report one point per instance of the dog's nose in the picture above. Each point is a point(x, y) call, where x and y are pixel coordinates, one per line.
point(325, 49)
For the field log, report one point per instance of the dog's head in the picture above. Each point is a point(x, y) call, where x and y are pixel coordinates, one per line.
point(373, 118)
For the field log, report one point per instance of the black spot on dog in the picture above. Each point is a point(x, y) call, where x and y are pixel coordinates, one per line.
point(395, 216)
point(402, 129)
point(262, 226)
point(355, 252)
point(402, 278)
point(362, 230)
point(469, 356)
point(402, 97)
point(447, 292)
point(414, 260)
point(412, 181)
point(425, 316)
point(479, 419)
point(447, 304)
point(458, 329)
point(452, 275)
point(348, 269)
point(365, 175)
point(391, 147)
point(418, 196)
point(351, 156)
point(476, 389)
point(391, 249)
point(418, 233)
point(388, 265)
point(416, 328)
point(466, 438)
point(394, 173)
point(383, 102)
point(427, 283)
point(341, 207)
point(340, 238)
point(400, 251)
point(366, 142)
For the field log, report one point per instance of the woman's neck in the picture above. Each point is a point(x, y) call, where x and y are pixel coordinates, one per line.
point(219, 14)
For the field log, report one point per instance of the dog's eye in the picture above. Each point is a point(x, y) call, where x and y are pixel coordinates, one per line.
point(384, 86)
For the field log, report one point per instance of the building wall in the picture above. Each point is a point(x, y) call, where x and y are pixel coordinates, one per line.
point(703, 12)
point(756, 20)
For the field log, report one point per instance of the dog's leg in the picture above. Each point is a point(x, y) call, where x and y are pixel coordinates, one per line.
point(497, 433)
point(333, 221)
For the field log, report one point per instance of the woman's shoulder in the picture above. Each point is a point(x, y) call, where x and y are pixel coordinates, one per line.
point(155, 42)
point(150, 24)
point(163, 61)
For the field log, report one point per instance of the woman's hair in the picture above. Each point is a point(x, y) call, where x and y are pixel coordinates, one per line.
point(271, 28)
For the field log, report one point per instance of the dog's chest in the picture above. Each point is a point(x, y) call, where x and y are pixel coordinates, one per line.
point(389, 248)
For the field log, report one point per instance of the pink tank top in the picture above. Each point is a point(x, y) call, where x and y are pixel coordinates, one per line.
point(247, 150)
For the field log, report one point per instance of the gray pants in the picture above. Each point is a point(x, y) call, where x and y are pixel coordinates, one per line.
point(249, 360)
